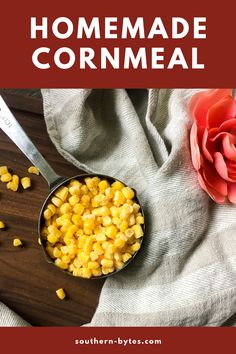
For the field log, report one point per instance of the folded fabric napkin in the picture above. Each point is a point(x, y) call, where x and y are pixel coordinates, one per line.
point(9, 318)
point(185, 274)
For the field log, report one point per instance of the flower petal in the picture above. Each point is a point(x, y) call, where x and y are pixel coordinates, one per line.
point(207, 146)
point(232, 192)
point(202, 101)
point(195, 151)
point(228, 126)
point(217, 197)
point(221, 111)
point(214, 180)
point(229, 149)
point(221, 166)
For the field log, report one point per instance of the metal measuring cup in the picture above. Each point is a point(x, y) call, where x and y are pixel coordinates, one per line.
point(14, 131)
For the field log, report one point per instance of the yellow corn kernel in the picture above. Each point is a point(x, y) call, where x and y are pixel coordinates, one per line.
point(97, 248)
point(109, 193)
point(106, 221)
point(136, 207)
point(105, 244)
point(140, 219)
point(123, 226)
point(13, 184)
point(107, 263)
point(61, 294)
point(77, 262)
point(128, 192)
point(119, 243)
point(118, 256)
point(52, 238)
point(135, 247)
point(26, 182)
point(78, 272)
point(86, 273)
point(111, 231)
point(56, 201)
point(75, 182)
point(3, 170)
point(59, 263)
point(122, 236)
point(73, 200)
point(83, 257)
point(116, 220)
point(34, 170)
point(52, 208)
point(115, 212)
point(56, 252)
point(89, 224)
point(62, 193)
point(93, 265)
point(2, 225)
point(111, 248)
point(49, 250)
point(78, 209)
point(6, 177)
point(117, 185)
point(138, 231)
point(76, 219)
point(93, 256)
point(103, 185)
point(85, 200)
point(119, 264)
point(100, 237)
point(129, 233)
point(74, 190)
point(64, 249)
point(17, 242)
point(132, 220)
point(126, 257)
point(119, 198)
point(102, 211)
point(47, 214)
point(106, 270)
point(108, 255)
point(97, 272)
point(65, 259)
point(65, 208)
point(84, 189)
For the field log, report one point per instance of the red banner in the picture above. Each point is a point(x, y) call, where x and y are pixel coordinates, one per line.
point(123, 44)
point(75, 340)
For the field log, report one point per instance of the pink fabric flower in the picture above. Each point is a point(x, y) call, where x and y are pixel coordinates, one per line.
point(213, 140)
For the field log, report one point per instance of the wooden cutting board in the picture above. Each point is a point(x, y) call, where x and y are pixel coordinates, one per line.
point(27, 282)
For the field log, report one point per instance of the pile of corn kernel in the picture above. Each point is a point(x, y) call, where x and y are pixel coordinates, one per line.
point(13, 181)
point(92, 228)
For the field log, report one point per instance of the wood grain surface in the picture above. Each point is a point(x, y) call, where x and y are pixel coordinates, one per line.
point(27, 282)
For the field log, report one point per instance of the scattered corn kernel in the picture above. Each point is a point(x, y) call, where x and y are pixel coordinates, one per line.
point(14, 183)
point(92, 228)
point(34, 170)
point(61, 294)
point(6, 177)
point(3, 170)
point(17, 242)
point(2, 225)
point(26, 182)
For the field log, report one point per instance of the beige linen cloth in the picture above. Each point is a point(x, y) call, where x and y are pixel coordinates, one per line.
point(185, 273)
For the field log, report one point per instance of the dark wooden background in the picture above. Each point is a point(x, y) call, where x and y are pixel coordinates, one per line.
point(27, 282)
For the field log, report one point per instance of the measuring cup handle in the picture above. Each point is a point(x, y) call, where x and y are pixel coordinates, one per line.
point(13, 130)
